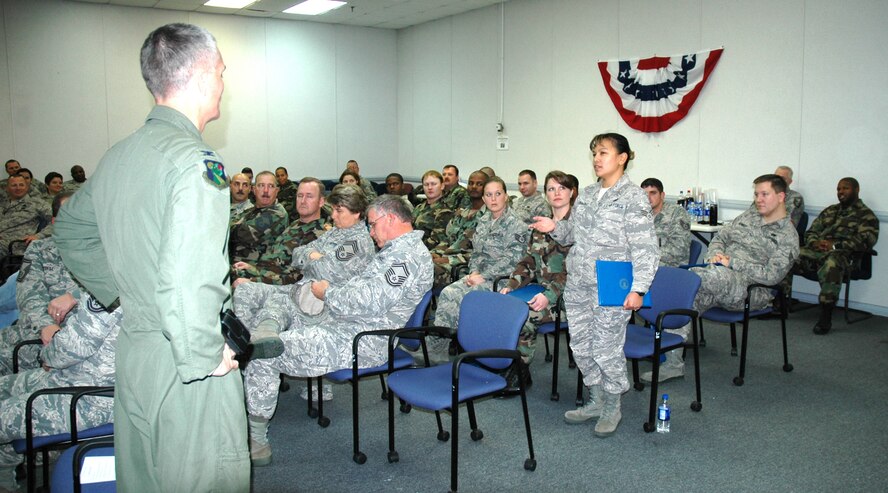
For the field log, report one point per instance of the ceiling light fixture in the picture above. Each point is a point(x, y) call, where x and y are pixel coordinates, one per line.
point(229, 4)
point(314, 7)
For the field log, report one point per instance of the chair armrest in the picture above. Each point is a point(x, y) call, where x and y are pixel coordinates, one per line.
point(458, 270)
point(496, 281)
point(75, 392)
point(418, 333)
point(693, 314)
point(18, 347)
point(474, 356)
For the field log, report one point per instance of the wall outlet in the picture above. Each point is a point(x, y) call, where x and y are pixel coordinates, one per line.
point(502, 143)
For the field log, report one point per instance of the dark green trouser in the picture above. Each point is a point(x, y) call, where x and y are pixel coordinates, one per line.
point(830, 268)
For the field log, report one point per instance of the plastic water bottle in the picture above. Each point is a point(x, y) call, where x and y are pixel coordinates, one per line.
point(663, 414)
point(705, 219)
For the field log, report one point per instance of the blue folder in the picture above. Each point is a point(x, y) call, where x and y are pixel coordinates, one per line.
point(527, 293)
point(614, 283)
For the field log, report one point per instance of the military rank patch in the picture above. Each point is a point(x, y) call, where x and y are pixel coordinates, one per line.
point(397, 274)
point(94, 306)
point(522, 237)
point(24, 269)
point(216, 174)
point(347, 250)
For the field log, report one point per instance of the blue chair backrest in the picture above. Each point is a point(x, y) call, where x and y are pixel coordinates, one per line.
point(672, 288)
point(489, 320)
point(416, 319)
point(696, 250)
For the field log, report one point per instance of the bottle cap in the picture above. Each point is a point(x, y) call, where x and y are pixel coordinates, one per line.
point(665, 397)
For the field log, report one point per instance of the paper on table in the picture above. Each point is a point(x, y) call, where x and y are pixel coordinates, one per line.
point(97, 469)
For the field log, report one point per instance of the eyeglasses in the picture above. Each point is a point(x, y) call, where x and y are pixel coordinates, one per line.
point(373, 223)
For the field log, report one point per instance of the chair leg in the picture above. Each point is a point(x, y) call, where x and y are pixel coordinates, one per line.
point(786, 366)
point(571, 363)
point(636, 382)
point(323, 421)
point(655, 377)
point(384, 390)
point(392, 453)
point(579, 400)
point(734, 339)
point(312, 412)
point(454, 447)
point(473, 421)
point(738, 381)
point(848, 310)
point(546, 342)
point(357, 456)
point(702, 336)
point(698, 404)
point(530, 463)
point(554, 395)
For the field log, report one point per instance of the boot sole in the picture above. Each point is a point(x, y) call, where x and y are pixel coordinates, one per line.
point(265, 349)
point(605, 434)
point(648, 380)
point(261, 461)
point(579, 421)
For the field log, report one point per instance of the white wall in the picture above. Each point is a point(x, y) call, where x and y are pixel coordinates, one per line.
point(798, 84)
point(307, 96)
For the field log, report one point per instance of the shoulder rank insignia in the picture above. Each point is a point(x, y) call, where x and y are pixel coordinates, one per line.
point(347, 250)
point(216, 174)
point(397, 274)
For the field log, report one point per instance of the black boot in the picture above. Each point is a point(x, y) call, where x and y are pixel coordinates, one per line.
point(825, 322)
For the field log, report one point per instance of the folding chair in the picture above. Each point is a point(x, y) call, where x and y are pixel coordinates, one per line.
point(733, 317)
point(672, 299)
point(400, 359)
point(66, 475)
point(489, 325)
point(30, 445)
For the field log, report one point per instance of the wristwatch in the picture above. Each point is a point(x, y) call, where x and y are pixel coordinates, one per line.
point(641, 293)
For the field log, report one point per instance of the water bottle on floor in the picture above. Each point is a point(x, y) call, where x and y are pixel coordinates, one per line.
point(663, 414)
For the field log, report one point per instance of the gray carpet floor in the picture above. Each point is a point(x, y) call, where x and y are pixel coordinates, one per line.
point(820, 427)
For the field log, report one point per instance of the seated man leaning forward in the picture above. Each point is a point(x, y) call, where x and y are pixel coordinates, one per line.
point(383, 296)
point(335, 257)
point(758, 246)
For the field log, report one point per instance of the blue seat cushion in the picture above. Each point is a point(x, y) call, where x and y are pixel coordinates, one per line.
point(640, 341)
point(549, 328)
point(21, 444)
point(402, 360)
point(63, 472)
point(430, 388)
point(728, 317)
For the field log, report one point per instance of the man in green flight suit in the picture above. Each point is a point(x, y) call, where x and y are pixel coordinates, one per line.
point(180, 422)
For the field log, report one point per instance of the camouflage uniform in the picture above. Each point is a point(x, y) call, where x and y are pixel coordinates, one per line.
point(795, 205)
point(368, 189)
point(346, 254)
point(498, 244)
point(71, 186)
point(526, 208)
point(457, 244)
point(759, 252)
point(80, 354)
point(617, 226)
point(42, 278)
point(287, 197)
point(457, 198)
point(853, 229)
point(543, 264)
point(432, 220)
point(673, 227)
point(21, 218)
point(275, 266)
point(256, 230)
point(382, 297)
point(237, 210)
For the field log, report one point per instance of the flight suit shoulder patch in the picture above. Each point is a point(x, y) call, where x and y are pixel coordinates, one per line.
point(215, 174)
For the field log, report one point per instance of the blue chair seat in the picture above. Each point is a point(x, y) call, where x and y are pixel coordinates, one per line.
point(63, 472)
point(429, 388)
point(727, 317)
point(20, 445)
point(640, 341)
point(401, 360)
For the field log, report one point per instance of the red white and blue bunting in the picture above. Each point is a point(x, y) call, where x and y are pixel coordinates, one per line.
point(653, 94)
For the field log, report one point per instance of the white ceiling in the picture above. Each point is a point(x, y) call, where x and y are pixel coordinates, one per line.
point(385, 14)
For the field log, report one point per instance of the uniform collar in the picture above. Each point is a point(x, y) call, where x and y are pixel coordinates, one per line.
point(173, 117)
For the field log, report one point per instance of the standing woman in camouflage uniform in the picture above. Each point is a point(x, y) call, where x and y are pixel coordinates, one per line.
point(611, 220)
point(432, 216)
point(500, 241)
